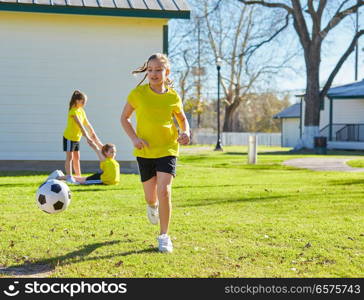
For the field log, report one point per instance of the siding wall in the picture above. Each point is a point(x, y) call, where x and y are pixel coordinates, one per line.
point(348, 111)
point(290, 132)
point(43, 58)
point(345, 111)
point(325, 113)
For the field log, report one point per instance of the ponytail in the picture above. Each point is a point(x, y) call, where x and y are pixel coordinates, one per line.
point(77, 95)
point(163, 59)
point(141, 69)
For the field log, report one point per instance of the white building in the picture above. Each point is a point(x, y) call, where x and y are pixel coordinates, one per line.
point(290, 125)
point(341, 118)
point(49, 48)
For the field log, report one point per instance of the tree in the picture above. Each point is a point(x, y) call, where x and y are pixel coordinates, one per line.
point(188, 55)
point(258, 112)
point(235, 43)
point(308, 20)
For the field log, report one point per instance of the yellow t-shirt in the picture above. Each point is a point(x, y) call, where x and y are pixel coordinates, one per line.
point(73, 131)
point(111, 171)
point(154, 117)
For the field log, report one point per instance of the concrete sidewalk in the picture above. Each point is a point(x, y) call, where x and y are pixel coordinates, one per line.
point(323, 164)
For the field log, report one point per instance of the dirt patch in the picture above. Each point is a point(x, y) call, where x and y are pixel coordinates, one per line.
point(27, 271)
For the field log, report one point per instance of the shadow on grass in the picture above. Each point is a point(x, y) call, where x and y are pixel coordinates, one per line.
point(346, 182)
point(46, 266)
point(12, 185)
point(219, 201)
point(75, 188)
point(303, 152)
point(101, 189)
point(22, 173)
point(206, 186)
point(269, 153)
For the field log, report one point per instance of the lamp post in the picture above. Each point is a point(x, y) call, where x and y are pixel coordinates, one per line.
point(218, 144)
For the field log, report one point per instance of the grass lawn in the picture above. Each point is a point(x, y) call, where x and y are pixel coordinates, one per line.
point(356, 163)
point(229, 219)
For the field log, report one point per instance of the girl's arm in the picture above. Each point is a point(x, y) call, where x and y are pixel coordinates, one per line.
point(94, 137)
point(128, 127)
point(84, 132)
point(97, 150)
point(184, 136)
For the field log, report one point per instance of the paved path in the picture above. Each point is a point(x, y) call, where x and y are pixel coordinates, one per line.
point(323, 164)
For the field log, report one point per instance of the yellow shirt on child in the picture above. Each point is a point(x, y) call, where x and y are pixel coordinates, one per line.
point(73, 131)
point(155, 124)
point(111, 171)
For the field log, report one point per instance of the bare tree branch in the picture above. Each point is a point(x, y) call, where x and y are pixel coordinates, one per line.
point(234, 57)
point(250, 51)
point(340, 63)
point(339, 16)
point(300, 25)
point(316, 21)
point(341, 6)
point(269, 4)
point(321, 8)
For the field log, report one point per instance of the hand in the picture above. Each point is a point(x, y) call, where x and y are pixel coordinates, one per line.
point(140, 143)
point(184, 138)
point(89, 141)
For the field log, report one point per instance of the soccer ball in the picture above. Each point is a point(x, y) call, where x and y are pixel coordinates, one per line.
point(53, 196)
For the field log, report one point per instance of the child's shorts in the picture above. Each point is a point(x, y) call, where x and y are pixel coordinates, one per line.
point(94, 179)
point(70, 145)
point(148, 167)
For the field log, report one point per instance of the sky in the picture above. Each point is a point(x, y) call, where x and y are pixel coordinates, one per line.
point(334, 46)
point(346, 73)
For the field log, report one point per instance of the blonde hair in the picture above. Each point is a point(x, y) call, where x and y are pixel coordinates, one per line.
point(106, 148)
point(77, 95)
point(163, 59)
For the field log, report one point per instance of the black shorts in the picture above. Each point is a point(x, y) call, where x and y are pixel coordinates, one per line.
point(148, 167)
point(96, 176)
point(93, 179)
point(69, 146)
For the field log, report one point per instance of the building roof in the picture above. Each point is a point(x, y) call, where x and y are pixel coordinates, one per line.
point(293, 111)
point(351, 90)
point(346, 91)
point(129, 8)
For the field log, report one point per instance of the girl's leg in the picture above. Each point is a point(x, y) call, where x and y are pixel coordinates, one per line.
point(164, 193)
point(150, 191)
point(78, 179)
point(76, 163)
point(68, 163)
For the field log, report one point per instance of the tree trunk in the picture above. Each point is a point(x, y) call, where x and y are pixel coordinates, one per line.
point(312, 98)
point(229, 116)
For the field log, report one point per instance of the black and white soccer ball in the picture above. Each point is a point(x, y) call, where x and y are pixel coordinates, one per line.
point(53, 196)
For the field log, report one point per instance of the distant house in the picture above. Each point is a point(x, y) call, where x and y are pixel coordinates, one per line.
point(49, 48)
point(341, 117)
point(290, 125)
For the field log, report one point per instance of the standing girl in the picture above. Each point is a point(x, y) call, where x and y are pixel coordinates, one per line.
point(156, 139)
point(76, 123)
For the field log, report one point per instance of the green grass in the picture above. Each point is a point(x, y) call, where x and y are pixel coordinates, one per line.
point(356, 163)
point(229, 219)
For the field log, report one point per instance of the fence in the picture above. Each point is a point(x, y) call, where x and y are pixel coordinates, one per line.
point(236, 138)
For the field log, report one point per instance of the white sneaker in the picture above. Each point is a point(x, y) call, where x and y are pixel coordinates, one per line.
point(153, 214)
point(55, 174)
point(165, 243)
point(71, 179)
